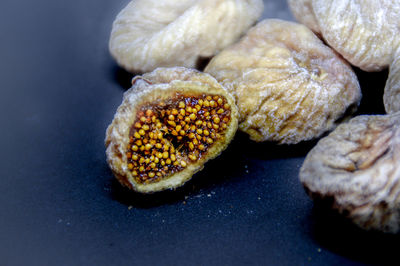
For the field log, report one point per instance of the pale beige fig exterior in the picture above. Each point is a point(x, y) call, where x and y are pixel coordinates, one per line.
point(148, 34)
point(288, 85)
point(391, 96)
point(356, 168)
point(364, 32)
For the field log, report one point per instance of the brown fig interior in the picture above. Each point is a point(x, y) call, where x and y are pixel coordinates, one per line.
point(170, 134)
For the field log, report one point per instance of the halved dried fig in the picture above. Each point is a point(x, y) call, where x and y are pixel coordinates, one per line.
point(151, 33)
point(365, 32)
point(356, 167)
point(288, 85)
point(391, 96)
point(170, 123)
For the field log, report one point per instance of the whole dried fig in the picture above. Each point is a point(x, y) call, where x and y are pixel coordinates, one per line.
point(365, 32)
point(148, 34)
point(170, 123)
point(391, 96)
point(356, 168)
point(302, 11)
point(288, 85)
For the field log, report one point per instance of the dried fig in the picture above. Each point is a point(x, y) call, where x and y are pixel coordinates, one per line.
point(302, 11)
point(170, 123)
point(391, 96)
point(365, 32)
point(148, 34)
point(288, 85)
point(356, 168)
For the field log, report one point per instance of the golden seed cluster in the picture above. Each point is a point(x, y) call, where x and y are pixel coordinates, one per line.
point(168, 135)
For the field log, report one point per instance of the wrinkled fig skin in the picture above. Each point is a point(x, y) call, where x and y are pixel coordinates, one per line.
point(288, 85)
point(148, 34)
point(357, 166)
point(302, 11)
point(391, 97)
point(150, 95)
point(365, 32)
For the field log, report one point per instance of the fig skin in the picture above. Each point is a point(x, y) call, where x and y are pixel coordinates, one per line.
point(365, 32)
point(162, 84)
point(356, 169)
point(391, 96)
point(148, 34)
point(288, 85)
point(303, 12)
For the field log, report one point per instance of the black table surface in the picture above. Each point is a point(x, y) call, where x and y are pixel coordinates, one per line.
point(60, 205)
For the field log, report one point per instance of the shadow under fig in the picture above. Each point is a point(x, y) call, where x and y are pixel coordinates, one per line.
point(216, 171)
point(225, 168)
point(372, 88)
point(270, 150)
point(122, 77)
point(335, 233)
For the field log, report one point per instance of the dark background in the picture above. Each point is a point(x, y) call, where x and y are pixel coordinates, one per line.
point(60, 205)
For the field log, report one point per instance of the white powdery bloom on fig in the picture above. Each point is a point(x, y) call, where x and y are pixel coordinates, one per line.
point(364, 32)
point(288, 85)
point(148, 34)
point(356, 169)
point(391, 97)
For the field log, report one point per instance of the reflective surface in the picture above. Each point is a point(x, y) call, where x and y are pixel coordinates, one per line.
point(60, 204)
